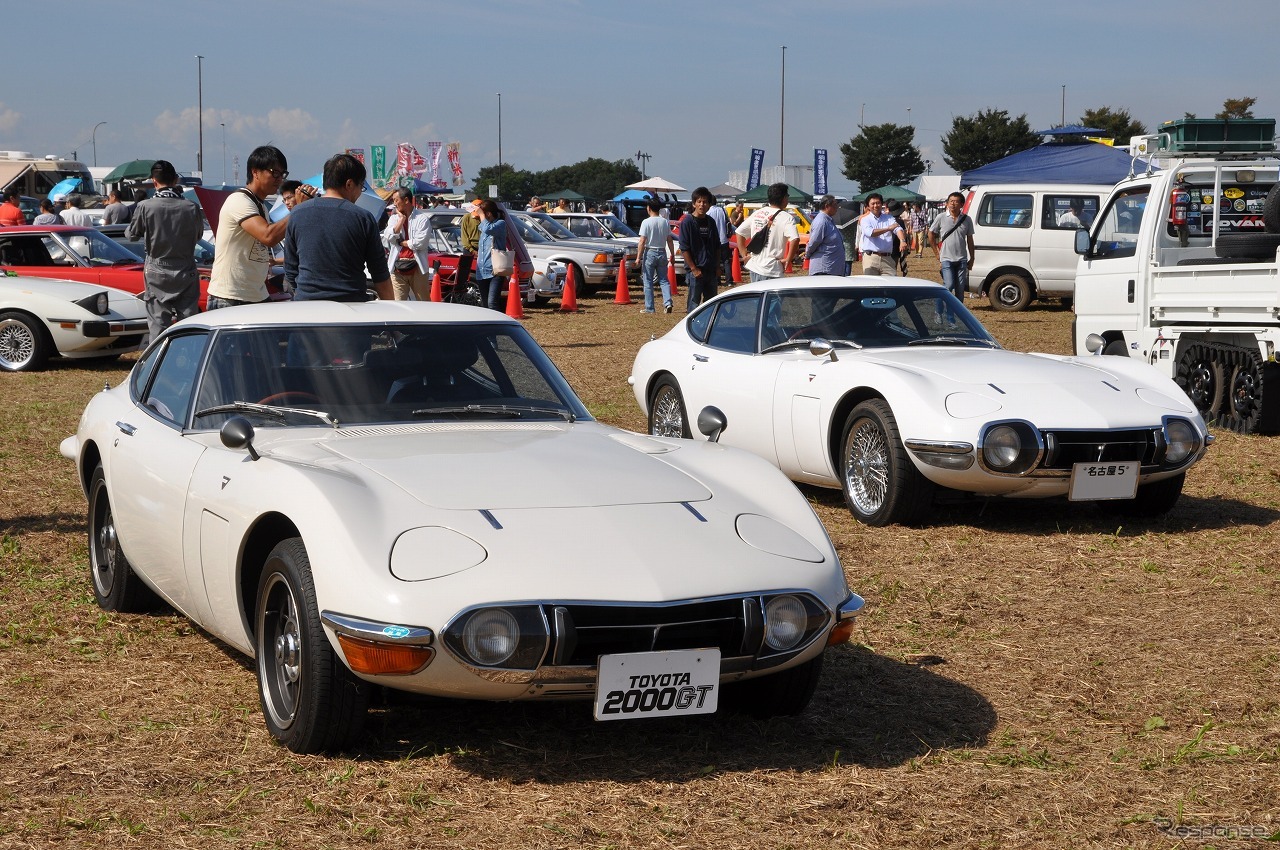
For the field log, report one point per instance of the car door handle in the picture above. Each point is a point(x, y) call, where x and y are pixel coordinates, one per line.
point(1130, 292)
point(126, 428)
point(701, 358)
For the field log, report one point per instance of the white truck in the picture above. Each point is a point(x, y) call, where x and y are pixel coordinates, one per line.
point(1180, 268)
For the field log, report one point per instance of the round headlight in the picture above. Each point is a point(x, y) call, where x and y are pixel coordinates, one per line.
point(491, 636)
point(103, 304)
point(784, 622)
point(1182, 441)
point(1001, 447)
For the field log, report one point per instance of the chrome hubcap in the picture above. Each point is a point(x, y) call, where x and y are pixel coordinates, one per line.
point(867, 468)
point(668, 415)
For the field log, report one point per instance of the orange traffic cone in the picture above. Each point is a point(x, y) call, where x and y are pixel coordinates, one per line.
point(737, 265)
point(623, 295)
point(514, 308)
point(436, 294)
point(569, 296)
point(805, 265)
point(671, 276)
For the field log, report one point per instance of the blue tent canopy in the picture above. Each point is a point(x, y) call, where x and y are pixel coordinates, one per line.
point(1086, 163)
point(64, 188)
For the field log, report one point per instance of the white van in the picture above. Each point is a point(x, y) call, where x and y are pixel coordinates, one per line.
point(1024, 239)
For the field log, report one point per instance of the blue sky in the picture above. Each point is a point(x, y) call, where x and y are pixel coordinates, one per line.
point(695, 85)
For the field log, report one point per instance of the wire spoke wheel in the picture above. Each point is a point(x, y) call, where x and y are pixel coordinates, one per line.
point(22, 343)
point(667, 416)
point(866, 467)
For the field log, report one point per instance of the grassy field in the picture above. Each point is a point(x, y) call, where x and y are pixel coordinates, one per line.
point(1025, 675)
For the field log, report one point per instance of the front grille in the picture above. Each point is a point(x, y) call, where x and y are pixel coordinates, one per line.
point(1065, 448)
point(582, 633)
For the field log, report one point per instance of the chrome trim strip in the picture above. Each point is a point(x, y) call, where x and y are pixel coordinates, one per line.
point(373, 630)
point(938, 447)
point(849, 607)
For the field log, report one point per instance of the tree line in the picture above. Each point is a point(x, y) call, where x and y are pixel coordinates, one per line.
point(885, 154)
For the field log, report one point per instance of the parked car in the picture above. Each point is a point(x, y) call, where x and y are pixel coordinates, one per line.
point(117, 232)
point(377, 493)
point(41, 318)
point(609, 227)
point(544, 281)
point(75, 253)
point(891, 390)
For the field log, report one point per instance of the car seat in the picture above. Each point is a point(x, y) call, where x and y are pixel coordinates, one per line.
point(439, 377)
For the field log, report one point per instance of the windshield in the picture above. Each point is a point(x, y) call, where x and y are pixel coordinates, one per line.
point(617, 226)
point(1117, 234)
point(528, 230)
point(553, 227)
point(352, 375)
point(870, 317)
point(95, 248)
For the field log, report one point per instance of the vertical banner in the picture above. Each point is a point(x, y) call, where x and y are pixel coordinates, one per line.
point(819, 171)
point(378, 153)
point(358, 153)
point(409, 161)
point(455, 163)
point(433, 156)
point(757, 162)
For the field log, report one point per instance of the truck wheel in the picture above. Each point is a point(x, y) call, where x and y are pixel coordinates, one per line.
point(1010, 293)
point(1202, 377)
point(1271, 210)
point(1248, 408)
point(1248, 246)
point(1155, 499)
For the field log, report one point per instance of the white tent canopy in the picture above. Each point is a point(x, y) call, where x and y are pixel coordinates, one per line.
point(656, 184)
point(936, 187)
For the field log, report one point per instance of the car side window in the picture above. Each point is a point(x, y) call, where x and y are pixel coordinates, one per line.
point(1117, 236)
point(1005, 210)
point(733, 327)
point(170, 392)
point(1069, 212)
point(698, 324)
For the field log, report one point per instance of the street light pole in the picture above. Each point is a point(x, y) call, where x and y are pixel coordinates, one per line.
point(782, 124)
point(1064, 104)
point(223, 125)
point(95, 142)
point(499, 134)
point(200, 113)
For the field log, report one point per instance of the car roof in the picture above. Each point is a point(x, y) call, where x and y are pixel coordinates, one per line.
point(828, 280)
point(48, 228)
point(278, 313)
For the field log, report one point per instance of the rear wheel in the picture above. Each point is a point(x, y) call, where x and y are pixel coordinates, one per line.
point(778, 695)
point(667, 415)
point(311, 702)
point(1248, 408)
point(1201, 375)
point(24, 345)
point(881, 485)
point(116, 586)
point(1010, 293)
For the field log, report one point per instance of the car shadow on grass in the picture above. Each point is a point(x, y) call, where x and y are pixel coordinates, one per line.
point(60, 523)
point(869, 710)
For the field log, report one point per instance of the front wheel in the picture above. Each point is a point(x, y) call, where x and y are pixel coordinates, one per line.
point(881, 485)
point(311, 701)
point(777, 695)
point(116, 586)
point(1010, 293)
point(667, 416)
point(24, 345)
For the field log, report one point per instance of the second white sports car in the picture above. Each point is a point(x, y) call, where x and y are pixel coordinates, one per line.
point(889, 389)
point(41, 318)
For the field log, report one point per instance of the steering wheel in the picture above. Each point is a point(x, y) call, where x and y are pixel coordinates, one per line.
point(296, 395)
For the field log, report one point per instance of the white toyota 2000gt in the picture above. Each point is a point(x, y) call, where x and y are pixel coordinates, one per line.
point(890, 389)
point(410, 495)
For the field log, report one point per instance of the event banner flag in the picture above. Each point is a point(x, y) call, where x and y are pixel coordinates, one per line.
point(358, 153)
point(819, 171)
point(379, 155)
point(433, 156)
point(757, 162)
point(409, 161)
point(455, 163)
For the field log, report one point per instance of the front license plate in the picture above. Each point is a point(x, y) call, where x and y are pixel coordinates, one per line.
point(1092, 482)
point(658, 684)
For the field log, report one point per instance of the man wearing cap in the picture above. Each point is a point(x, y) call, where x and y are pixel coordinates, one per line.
point(246, 234)
point(875, 238)
point(168, 225)
point(825, 251)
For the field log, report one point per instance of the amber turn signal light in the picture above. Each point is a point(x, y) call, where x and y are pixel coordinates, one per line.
point(840, 633)
point(385, 659)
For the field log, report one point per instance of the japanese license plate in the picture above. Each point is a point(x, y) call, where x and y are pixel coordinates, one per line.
point(657, 684)
point(1096, 481)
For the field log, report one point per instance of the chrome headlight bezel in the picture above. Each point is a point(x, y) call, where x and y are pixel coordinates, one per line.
point(1182, 441)
point(1010, 447)
point(521, 631)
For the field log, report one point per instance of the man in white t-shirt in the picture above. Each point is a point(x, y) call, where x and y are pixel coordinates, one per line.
point(246, 235)
point(775, 258)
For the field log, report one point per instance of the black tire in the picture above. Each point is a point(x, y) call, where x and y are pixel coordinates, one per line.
point(24, 344)
point(667, 414)
point(1248, 246)
point(311, 702)
point(581, 288)
point(1248, 407)
point(778, 695)
point(881, 485)
point(1010, 293)
point(116, 586)
point(1271, 209)
point(1201, 375)
point(1116, 348)
point(1154, 499)
point(469, 295)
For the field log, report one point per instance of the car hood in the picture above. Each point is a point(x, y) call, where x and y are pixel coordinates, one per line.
point(526, 465)
point(69, 290)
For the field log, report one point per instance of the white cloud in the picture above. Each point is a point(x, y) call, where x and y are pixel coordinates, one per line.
point(9, 119)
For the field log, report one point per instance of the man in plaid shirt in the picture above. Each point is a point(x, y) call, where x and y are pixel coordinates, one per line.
point(919, 224)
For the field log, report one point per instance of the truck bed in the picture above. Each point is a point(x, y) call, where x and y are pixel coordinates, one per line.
point(1226, 291)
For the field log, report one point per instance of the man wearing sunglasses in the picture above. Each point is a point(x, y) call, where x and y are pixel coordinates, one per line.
point(246, 235)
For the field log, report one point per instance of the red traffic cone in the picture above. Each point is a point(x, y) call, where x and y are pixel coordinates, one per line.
point(737, 265)
point(436, 294)
point(671, 276)
point(805, 265)
point(514, 308)
point(569, 295)
point(623, 295)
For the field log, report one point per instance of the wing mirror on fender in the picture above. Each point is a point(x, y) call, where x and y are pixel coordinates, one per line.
point(822, 348)
point(237, 433)
point(1094, 343)
point(711, 422)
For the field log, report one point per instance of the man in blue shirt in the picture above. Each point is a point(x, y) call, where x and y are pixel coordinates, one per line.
point(875, 237)
point(825, 251)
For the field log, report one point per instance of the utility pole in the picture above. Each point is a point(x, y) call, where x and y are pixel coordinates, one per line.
point(782, 124)
point(200, 113)
point(643, 158)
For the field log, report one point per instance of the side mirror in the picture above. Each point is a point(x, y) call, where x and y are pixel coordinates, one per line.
point(1094, 343)
point(711, 423)
point(1082, 241)
point(237, 433)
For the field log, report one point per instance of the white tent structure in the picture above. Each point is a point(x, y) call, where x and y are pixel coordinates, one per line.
point(936, 187)
point(656, 184)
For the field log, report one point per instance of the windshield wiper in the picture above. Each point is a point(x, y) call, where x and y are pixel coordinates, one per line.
point(512, 410)
point(790, 343)
point(950, 340)
point(268, 410)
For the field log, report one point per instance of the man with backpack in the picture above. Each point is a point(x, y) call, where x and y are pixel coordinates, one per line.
point(951, 235)
point(769, 236)
point(246, 234)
